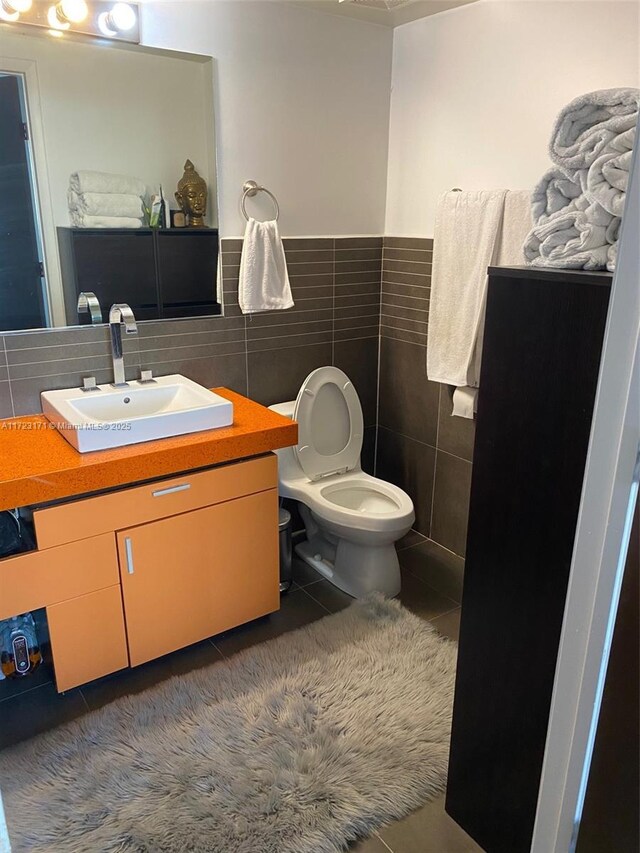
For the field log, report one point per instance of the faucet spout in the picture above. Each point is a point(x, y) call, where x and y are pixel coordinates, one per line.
point(120, 314)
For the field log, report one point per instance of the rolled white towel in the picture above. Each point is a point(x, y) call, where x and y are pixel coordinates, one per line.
point(79, 220)
point(105, 204)
point(586, 125)
point(85, 181)
point(553, 192)
point(608, 175)
point(573, 238)
point(613, 236)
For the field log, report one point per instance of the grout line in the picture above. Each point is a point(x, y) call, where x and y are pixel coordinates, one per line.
point(24, 692)
point(246, 353)
point(375, 447)
point(406, 272)
point(381, 839)
point(304, 589)
point(402, 296)
point(403, 284)
point(406, 319)
point(220, 652)
point(403, 340)
point(333, 305)
point(435, 465)
point(434, 619)
point(6, 358)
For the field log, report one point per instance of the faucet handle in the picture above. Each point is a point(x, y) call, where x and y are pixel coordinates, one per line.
point(89, 384)
point(146, 377)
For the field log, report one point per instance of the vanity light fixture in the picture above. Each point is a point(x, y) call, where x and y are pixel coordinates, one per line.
point(104, 19)
point(119, 20)
point(10, 9)
point(67, 12)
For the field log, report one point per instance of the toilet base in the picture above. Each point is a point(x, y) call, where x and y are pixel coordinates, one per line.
point(354, 568)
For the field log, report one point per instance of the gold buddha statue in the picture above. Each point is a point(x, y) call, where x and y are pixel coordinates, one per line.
point(192, 196)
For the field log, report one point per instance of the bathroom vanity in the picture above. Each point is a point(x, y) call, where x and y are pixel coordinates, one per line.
point(146, 549)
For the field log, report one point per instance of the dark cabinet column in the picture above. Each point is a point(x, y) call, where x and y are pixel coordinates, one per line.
point(541, 356)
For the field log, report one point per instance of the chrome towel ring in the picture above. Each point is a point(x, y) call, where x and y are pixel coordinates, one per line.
point(251, 188)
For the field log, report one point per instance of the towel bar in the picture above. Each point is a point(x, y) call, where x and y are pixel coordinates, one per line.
point(251, 188)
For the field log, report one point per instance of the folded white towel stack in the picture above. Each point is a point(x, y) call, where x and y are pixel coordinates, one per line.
point(578, 204)
point(264, 279)
point(101, 200)
point(104, 182)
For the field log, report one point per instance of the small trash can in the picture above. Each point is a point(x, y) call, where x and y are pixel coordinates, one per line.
point(284, 528)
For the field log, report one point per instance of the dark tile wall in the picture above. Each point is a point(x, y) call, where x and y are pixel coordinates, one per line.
point(361, 304)
point(336, 289)
point(421, 447)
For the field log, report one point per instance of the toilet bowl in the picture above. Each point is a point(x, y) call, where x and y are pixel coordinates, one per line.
point(352, 519)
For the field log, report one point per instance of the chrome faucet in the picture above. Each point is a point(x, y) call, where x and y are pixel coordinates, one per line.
point(118, 314)
point(88, 304)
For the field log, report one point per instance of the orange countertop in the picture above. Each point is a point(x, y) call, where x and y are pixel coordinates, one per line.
point(38, 465)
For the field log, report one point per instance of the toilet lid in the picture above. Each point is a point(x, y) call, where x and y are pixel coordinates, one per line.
point(330, 424)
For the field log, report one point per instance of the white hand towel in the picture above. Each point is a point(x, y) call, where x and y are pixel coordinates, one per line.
point(78, 220)
point(105, 204)
point(264, 280)
point(516, 224)
point(85, 181)
point(465, 241)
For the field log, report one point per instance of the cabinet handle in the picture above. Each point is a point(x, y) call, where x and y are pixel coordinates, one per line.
point(129, 554)
point(171, 490)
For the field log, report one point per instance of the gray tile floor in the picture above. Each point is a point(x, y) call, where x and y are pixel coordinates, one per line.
point(427, 830)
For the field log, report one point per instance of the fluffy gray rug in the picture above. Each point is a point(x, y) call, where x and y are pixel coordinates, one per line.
point(299, 745)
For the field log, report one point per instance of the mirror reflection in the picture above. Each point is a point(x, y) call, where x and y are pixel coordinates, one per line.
point(107, 182)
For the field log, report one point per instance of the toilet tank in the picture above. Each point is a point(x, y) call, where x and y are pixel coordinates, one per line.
point(285, 409)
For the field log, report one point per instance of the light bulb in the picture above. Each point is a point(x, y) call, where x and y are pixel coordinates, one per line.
point(18, 5)
point(5, 15)
point(120, 19)
point(54, 21)
point(74, 11)
point(10, 10)
point(103, 25)
point(123, 17)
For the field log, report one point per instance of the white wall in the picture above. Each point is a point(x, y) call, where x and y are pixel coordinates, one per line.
point(114, 109)
point(302, 106)
point(476, 90)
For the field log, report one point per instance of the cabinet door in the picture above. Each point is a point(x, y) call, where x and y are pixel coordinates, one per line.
point(187, 272)
point(118, 266)
point(87, 637)
point(190, 576)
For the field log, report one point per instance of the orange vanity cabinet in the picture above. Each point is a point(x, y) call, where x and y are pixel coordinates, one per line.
point(78, 584)
point(193, 575)
point(135, 573)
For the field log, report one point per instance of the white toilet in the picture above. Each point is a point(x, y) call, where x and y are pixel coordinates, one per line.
point(352, 520)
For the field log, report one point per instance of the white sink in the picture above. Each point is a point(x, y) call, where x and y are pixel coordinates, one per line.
point(115, 417)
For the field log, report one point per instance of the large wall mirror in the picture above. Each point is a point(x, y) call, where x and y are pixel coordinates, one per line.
point(72, 107)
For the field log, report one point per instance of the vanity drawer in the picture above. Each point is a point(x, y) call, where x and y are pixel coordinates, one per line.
point(140, 504)
point(41, 578)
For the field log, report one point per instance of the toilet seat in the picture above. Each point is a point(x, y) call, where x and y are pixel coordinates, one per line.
point(355, 500)
point(330, 424)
